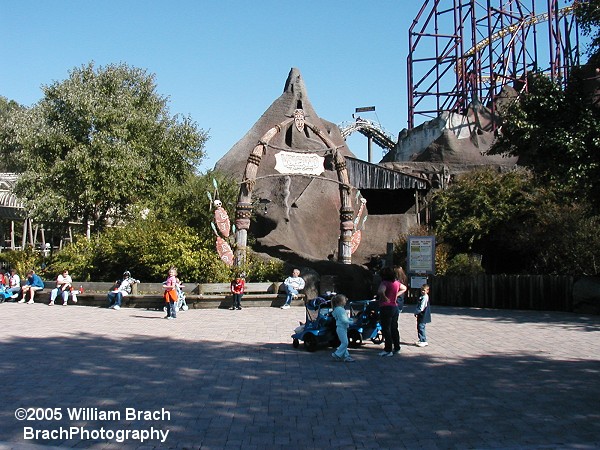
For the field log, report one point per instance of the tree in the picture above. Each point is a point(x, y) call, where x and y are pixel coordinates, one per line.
point(588, 17)
point(100, 145)
point(556, 133)
point(473, 207)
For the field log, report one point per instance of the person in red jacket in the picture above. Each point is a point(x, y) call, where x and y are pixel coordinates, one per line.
point(237, 289)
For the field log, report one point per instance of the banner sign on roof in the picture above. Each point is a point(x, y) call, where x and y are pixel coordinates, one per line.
point(299, 163)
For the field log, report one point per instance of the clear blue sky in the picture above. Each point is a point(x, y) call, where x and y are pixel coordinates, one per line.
point(223, 62)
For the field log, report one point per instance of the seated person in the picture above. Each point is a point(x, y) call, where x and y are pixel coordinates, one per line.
point(33, 284)
point(14, 284)
point(122, 288)
point(63, 286)
point(292, 285)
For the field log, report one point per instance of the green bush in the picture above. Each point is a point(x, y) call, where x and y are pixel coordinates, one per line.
point(466, 265)
point(23, 261)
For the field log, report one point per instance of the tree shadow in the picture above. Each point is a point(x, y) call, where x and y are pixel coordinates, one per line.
point(222, 394)
point(572, 321)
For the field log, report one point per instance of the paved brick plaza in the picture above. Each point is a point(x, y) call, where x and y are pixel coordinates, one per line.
point(231, 379)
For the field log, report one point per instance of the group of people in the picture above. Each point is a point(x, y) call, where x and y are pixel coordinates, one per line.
point(292, 286)
point(390, 298)
point(12, 291)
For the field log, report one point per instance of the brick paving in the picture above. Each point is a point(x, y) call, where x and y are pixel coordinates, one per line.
point(231, 379)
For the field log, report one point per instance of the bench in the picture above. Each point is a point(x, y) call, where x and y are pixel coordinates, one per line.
point(198, 296)
point(255, 294)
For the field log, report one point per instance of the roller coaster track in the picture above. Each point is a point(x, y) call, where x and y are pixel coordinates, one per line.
point(512, 29)
point(474, 50)
point(370, 129)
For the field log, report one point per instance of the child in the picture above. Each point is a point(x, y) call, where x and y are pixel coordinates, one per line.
point(341, 327)
point(423, 315)
point(237, 289)
point(170, 293)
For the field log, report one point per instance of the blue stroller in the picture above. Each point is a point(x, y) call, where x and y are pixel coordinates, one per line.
point(366, 325)
point(319, 326)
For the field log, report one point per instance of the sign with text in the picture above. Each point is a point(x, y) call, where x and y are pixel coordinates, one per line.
point(421, 254)
point(299, 163)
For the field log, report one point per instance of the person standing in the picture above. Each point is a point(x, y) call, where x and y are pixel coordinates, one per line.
point(122, 288)
point(389, 290)
point(170, 293)
point(342, 321)
point(292, 285)
point(63, 286)
point(423, 315)
point(237, 289)
point(34, 283)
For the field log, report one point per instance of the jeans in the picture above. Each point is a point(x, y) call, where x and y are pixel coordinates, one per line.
point(421, 331)
point(342, 350)
point(115, 298)
point(388, 317)
point(172, 309)
point(54, 294)
point(290, 292)
point(237, 300)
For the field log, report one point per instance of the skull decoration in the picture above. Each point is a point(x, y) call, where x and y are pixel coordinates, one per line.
point(217, 203)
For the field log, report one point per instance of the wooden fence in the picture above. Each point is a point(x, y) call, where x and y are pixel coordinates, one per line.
point(534, 292)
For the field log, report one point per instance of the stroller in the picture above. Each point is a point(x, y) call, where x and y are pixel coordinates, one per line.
point(181, 303)
point(319, 326)
point(366, 324)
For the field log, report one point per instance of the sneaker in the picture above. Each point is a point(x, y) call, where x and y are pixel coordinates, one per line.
point(336, 357)
point(116, 307)
point(349, 359)
point(421, 344)
point(232, 308)
point(285, 307)
point(239, 308)
point(49, 304)
point(21, 301)
point(64, 303)
point(30, 302)
point(386, 354)
point(395, 352)
point(168, 317)
point(111, 306)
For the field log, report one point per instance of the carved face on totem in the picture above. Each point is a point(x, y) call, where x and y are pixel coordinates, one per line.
point(299, 119)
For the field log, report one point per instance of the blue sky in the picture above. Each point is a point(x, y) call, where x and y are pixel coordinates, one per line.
point(223, 62)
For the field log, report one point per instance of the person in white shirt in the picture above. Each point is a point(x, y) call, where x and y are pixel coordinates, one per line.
point(63, 286)
point(122, 288)
point(14, 284)
point(292, 285)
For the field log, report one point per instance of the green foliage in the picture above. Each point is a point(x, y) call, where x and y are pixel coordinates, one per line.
point(468, 212)
point(464, 265)
point(23, 261)
point(259, 269)
point(588, 17)
point(98, 144)
point(188, 203)
point(556, 133)
point(559, 238)
point(148, 248)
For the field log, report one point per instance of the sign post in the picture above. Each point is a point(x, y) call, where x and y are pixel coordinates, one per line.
point(421, 259)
